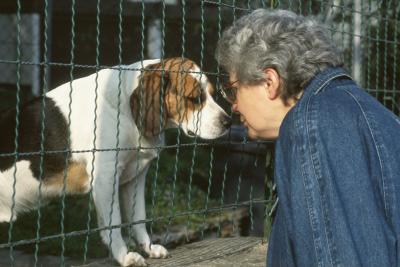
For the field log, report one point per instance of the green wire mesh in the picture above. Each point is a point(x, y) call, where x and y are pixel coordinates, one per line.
point(189, 193)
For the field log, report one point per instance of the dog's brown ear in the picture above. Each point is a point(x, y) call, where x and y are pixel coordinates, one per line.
point(147, 101)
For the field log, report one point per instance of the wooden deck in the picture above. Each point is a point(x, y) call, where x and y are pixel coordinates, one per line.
point(219, 252)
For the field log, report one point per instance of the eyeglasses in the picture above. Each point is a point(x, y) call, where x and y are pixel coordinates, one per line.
point(229, 91)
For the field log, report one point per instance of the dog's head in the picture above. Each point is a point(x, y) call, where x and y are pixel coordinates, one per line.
point(174, 93)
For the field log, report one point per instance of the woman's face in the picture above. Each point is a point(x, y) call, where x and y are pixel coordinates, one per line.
point(260, 107)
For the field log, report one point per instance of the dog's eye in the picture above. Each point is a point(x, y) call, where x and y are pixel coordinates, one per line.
point(194, 100)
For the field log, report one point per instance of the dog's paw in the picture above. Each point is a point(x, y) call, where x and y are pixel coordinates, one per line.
point(156, 251)
point(134, 259)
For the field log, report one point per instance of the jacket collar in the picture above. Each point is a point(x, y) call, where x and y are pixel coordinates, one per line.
point(324, 78)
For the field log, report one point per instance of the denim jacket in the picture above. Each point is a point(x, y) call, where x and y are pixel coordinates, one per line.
point(337, 170)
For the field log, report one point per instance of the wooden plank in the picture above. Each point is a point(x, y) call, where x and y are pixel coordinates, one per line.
point(197, 252)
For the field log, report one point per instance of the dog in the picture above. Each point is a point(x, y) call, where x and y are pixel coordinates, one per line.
point(100, 133)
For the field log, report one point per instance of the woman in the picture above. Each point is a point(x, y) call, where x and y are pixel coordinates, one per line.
point(337, 149)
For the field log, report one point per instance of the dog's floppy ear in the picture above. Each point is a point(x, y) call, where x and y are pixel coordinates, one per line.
point(147, 101)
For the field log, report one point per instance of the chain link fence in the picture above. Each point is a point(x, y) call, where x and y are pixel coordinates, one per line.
point(195, 189)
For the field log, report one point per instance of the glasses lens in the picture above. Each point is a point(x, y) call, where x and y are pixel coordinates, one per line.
point(230, 94)
point(228, 91)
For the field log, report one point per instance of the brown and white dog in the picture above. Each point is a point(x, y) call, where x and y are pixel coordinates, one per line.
point(91, 117)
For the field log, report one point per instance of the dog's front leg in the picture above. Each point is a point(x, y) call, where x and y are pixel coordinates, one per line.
point(134, 210)
point(106, 199)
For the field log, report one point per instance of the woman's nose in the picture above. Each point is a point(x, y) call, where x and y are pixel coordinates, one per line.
point(234, 108)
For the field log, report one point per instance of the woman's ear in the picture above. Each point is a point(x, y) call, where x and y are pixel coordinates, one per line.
point(272, 82)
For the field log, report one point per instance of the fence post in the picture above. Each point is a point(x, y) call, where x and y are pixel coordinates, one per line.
point(357, 58)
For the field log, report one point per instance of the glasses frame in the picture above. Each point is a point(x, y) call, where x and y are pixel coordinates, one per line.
point(229, 91)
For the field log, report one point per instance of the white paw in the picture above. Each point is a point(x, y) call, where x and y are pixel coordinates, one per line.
point(134, 259)
point(156, 251)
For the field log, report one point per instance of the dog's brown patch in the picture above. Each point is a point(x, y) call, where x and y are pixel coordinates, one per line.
point(181, 95)
point(184, 88)
point(76, 179)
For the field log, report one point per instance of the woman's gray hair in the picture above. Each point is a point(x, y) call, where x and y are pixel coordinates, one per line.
point(296, 47)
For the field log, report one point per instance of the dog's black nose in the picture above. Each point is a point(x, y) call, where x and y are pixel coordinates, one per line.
point(226, 121)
